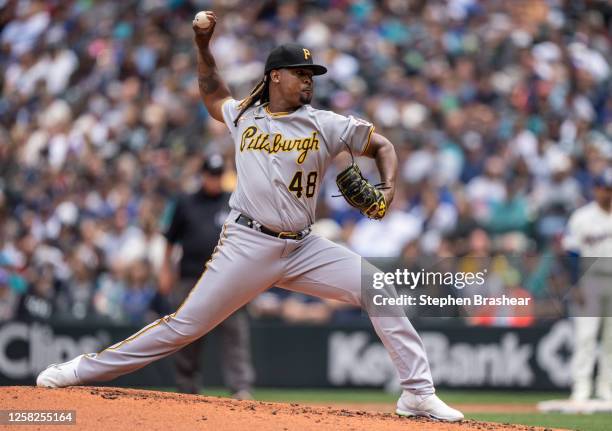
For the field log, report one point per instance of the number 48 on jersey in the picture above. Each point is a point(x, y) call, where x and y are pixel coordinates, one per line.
point(296, 186)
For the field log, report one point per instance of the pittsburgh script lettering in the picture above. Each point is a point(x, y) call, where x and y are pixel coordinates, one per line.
point(254, 139)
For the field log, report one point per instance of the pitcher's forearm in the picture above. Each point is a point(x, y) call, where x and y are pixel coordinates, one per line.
point(382, 151)
point(386, 159)
point(212, 87)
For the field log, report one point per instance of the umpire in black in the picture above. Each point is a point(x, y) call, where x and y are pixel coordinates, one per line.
point(196, 225)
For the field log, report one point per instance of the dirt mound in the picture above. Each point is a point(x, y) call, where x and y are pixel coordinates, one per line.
point(129, 409)
point(466, 408)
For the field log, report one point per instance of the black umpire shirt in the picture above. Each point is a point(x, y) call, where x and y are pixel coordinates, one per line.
point(196, 225)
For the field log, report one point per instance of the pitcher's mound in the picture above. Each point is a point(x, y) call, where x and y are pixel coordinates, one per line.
point(128, 409)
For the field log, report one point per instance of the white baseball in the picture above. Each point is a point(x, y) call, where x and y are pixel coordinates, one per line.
point(201, 20)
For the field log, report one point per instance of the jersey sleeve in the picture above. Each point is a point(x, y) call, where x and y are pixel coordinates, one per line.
point(351, 131)
point(230, 110)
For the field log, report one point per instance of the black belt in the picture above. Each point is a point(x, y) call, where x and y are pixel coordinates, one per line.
point(249, 222)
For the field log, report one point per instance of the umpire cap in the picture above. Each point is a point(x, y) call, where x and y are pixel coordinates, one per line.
point(292, 55)
point(214, 164)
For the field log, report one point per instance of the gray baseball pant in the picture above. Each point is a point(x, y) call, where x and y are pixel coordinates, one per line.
point(246, 263)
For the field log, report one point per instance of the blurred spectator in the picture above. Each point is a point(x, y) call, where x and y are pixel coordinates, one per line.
point(139, 293)
point(39, 302)
point(511, 213)
point(108, 299)
point(75, 296)
point(487, 189)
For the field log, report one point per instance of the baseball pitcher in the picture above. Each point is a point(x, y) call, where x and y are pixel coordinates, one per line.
point(283, 147)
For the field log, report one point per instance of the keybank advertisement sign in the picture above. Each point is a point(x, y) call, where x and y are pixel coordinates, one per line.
point(327, 356)
point(536, 357)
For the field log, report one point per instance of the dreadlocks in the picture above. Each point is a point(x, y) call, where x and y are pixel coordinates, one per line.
point(260, 93)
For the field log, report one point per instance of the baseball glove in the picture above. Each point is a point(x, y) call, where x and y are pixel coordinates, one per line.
point(358, 192)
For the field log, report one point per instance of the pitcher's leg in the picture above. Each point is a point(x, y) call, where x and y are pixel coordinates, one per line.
point(320, 267)
point(222, 289)
point(329, 270)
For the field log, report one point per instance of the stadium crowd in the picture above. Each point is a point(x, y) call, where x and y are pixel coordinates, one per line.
point(500, 111)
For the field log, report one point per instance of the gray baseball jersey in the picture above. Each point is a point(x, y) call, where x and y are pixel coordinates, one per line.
point(282, 157)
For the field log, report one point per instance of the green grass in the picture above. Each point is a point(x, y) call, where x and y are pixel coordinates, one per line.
point(594, 422)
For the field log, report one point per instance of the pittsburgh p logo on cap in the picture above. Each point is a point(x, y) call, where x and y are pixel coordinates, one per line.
point(292, 55)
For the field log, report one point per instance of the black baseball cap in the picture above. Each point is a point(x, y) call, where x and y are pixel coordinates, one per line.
point(214, 164)
point(291, 55)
